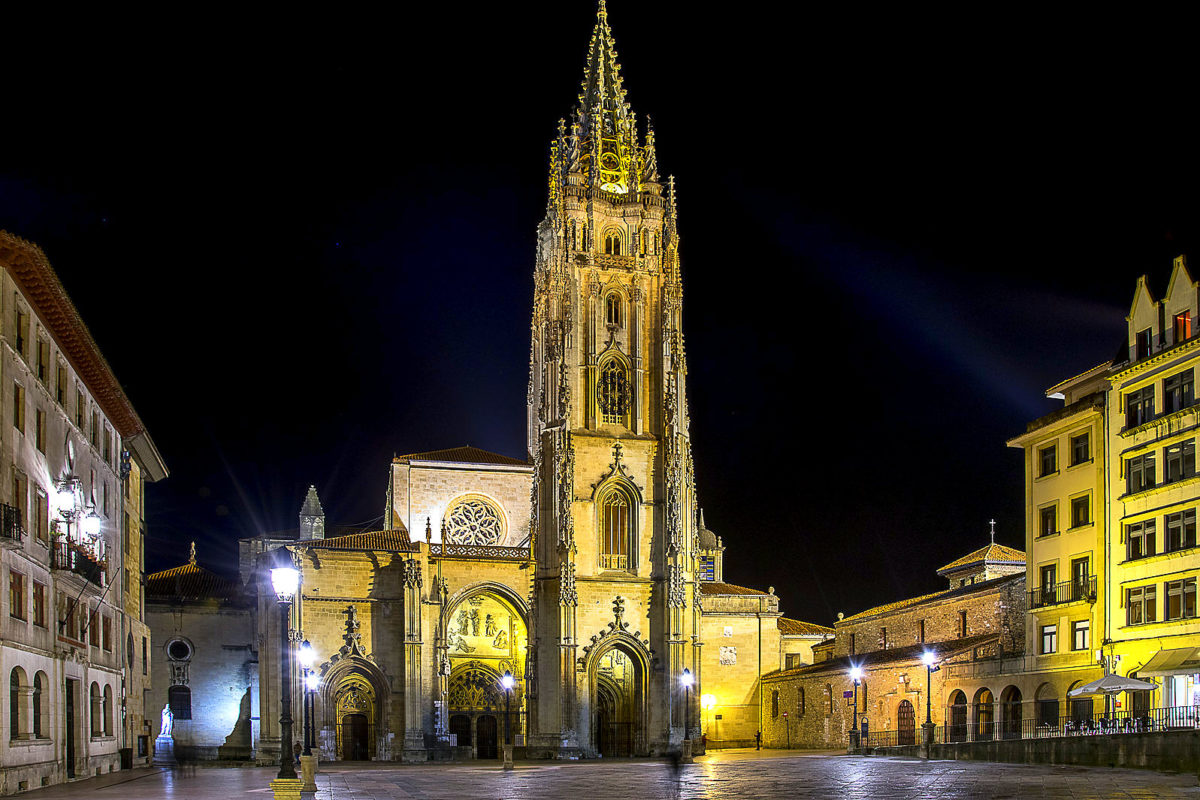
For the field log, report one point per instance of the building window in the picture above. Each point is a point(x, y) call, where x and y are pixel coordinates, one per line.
point(1049, 639)
point(1181, 530)
point(19, 407)
point(94, 629)
point(962, 624)
point(107, 629)
point(22, 320)
point(1142, 340)
point(41, 512)
point(1139, 539)
point(1177, 391)
point(39, 430)
point(16, 595)
point(828, 700)
point(800, 702)
point(145, 657)
point(616, 529)
point(612, 243)
point(39, 604)
point(1048, 459)
point(613, 391)
point(43, 362)
point(60, 386)
point(1139, 407)
point(1049, 575)
point(1141, 605)
point(1139, 473)
point(472, 520)
point(108, 711)
point(1081, 511)
point(1080, 630)
point(97, 709)
point(20, 497)
point(79, 409)
point(1183, 326)
point(40, 682)
point(852, 644)
point(883, 638)
point(16, 709)
point(708, 568)
point(1181, 599)
point(1048, 520)
point(95, 429)
point(775, 704)
point(1080, 574)
point(1181, 461)
point(612, 309)
point(180, 700)
point(921, 631)
point(1081, 449)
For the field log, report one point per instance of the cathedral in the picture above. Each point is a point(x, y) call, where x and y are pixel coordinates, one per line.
point(582, 570)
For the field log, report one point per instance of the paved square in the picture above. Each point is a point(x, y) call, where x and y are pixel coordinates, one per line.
point(733, 774)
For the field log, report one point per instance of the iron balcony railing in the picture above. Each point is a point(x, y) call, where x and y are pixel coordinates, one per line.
point(78, 559)
point(1065, 592)
point(614, 561)
point(12, 527)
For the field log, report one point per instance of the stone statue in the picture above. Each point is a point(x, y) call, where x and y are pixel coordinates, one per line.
point(168, 720)
point(489, 626)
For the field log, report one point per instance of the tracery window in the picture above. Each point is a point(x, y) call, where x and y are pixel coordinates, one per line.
point(612, 308)
point(615, 530)
point(475, 687)
point(612, 243)
point(613, 392)
point(473, 520)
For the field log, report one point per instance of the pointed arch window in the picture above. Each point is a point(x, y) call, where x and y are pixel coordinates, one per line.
point(613, 392)
point(616, 529)
point(613, 309)
point(612, 243)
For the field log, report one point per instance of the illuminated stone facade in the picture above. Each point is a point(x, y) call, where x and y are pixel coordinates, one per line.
point(72, 629)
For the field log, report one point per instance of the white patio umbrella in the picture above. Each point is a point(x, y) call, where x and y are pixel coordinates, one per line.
point(1111, 684)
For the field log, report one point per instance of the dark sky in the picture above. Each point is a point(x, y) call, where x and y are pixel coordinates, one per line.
point(306, 244)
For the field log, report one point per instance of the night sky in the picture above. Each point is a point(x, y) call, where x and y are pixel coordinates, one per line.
point(306, 245)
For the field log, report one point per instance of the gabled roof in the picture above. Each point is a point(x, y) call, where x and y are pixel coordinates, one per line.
point(945, 594)
point(190, 582)
point(794, 627)
point(393, 540)
point(465, 455)
point(990, 553)
point(716, 587)
point(879, 658)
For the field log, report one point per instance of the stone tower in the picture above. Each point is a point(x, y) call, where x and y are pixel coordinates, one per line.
point(312, 516)
point(616, 618)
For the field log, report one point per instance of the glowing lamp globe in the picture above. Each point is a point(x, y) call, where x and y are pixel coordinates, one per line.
point(927, 658)
point(307, 655)
point(66, 498)
point(312, 681)
point(91, 525)
point(707, 701)
point(507, 680)
point(686, 678)
point(285, 580)
point(855, 673)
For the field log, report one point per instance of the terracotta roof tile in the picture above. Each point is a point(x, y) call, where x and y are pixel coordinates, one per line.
point(465, 455)
point(794, 627)
point(394, 540)
point(880, 658)
point(994, 553)
point(190, 582)
point(716, 587)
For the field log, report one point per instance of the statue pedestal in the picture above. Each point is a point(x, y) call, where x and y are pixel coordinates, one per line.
point(164, 752)
point(286, 788)
point(308, 773)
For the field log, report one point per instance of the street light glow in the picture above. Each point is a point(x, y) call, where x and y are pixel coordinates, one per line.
point(313, 681)
point(686, 678)
point(928, 657)
point(856, 673)
point(307, 654)
point(285, 580)
point(707, 701)
point(507, 680)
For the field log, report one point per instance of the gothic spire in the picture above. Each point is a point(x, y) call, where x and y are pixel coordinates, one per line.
point(604, 132)
point(602, 83)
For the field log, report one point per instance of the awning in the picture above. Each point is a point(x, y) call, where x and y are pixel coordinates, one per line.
point(1180, 661)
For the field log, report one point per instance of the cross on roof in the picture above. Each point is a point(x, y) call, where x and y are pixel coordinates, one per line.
point(992, 522)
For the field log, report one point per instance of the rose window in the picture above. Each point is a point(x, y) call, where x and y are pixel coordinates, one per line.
point(474, 522)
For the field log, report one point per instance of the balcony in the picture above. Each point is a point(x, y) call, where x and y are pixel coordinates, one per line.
point(614, 561)
point(1065, 592)
point(76, 558)
point(12, 526)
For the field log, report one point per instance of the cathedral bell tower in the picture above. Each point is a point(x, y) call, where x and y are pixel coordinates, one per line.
point(615, 610)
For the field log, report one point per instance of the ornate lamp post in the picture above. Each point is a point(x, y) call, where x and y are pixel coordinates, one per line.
point(507, 682)
point(285, 580)
point(308, 657)
point(928, 658)
point(856, 676)
point(686, 679)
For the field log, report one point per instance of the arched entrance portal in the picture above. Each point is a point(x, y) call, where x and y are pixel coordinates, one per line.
point(618, 703)
point(355, 702)
point(485, 636)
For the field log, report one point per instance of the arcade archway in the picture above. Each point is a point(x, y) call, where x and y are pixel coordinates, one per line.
point(618, 680)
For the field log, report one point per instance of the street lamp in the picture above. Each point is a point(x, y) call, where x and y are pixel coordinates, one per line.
point(856, 676)
point(308, 657)
point(687, 679)
point(285, 580)
point(927, 658)
point(707, 701)
point(507, 682)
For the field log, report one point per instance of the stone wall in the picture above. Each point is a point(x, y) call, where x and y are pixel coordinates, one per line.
point(422, 492)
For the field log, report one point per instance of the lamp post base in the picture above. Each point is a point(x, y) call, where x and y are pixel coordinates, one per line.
point(286, 788)
point(308, 773)
point(853, 746)
point(508, 762)
point(685, 752)
point(927, 729)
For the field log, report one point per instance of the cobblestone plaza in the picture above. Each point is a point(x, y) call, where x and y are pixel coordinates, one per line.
point(737, 774)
